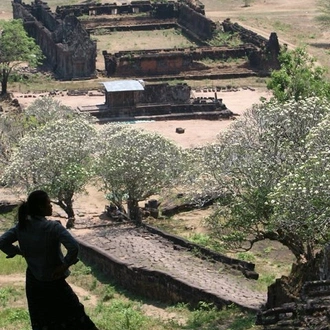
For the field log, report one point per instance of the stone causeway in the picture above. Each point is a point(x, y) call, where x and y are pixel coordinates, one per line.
point(140, 249)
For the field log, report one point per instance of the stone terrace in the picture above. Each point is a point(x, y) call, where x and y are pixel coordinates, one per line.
point(181, 269)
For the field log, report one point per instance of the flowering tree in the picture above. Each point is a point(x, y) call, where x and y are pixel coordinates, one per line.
point(11, 131)
point(15, 124)
point(256, 167)
point(301, 199)
point(134, 164)
point(45, 109)
point(56, 157)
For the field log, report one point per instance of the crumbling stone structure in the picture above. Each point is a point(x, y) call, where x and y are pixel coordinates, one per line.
point(159, 101)
point(161, 10)
point(311, 311)
point(169, 61)
point(194, 22)
point(65, 42)
point(190, 16)
point(64, 39)
point(266, 54)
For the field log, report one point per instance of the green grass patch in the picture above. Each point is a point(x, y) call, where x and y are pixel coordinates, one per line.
point(122, 315)
point(9, 295)
point(16, 265)
point(14, 318)
point(208, 317)
point(246, 256)
point(7, 220)
point(206, 241)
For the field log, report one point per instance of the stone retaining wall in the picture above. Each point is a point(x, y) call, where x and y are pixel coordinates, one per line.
point(157, 285)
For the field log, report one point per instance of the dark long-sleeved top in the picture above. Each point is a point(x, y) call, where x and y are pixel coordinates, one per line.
point(40, 244)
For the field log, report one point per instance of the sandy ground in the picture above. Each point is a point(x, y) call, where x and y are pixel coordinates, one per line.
point(197, 132)
point(201, 132)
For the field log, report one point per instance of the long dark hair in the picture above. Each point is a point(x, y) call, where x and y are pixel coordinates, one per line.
point(32, 206)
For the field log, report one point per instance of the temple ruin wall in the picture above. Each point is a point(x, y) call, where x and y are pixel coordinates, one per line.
point(159, 285)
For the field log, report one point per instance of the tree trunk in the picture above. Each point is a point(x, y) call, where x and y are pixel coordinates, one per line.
point(134, 211)
point(67, 205)
point(288, 288)
point(4, 83)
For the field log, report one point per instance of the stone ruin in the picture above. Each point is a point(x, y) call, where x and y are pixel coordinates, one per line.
point(311, 311)
point(159, 101)
point(189, 18)
point(64, 37)
point(70, 52)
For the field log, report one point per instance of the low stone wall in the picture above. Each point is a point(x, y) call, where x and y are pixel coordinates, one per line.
point(247, 268)
point(156, 285)
point(155, 62)
point(6, 207)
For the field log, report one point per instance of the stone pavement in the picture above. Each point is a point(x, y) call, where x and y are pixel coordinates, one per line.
point(138, 247)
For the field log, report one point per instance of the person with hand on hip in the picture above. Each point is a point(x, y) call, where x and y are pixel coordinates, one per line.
point(52, 303)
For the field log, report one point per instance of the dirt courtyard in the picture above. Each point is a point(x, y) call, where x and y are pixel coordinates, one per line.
point(197, 132)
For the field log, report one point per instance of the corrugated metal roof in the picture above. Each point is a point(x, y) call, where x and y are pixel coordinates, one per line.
point(123, 85)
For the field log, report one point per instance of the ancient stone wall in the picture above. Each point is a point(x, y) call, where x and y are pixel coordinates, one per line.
point(190, 15)
point(267, 50)
point(161, 9)
point(195, 23)
point(65, 43)
point(168, 61)
point(153, 284)
point(310, 311)
point(246, 35)
point(126, 23)
point(165, 93)
point(72, 54)
point(152, 64)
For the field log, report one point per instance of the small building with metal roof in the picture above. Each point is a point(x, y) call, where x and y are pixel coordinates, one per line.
point(122, 93)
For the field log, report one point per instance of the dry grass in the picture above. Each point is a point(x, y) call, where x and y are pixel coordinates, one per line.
point(138, 40)
point(293, 21)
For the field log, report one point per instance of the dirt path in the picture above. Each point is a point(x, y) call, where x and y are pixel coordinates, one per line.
point(19, 279)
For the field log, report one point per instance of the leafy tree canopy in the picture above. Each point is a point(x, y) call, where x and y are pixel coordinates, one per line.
point(16, 47)
point(267, 169)
point(299, 77)
point(134, 164)
point(55, 156)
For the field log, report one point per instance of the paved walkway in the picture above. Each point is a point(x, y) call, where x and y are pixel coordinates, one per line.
point(140, 248)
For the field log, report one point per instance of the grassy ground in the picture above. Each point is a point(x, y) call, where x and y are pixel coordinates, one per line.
point(138, 40)
point(108, 305)
point(112, 308)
